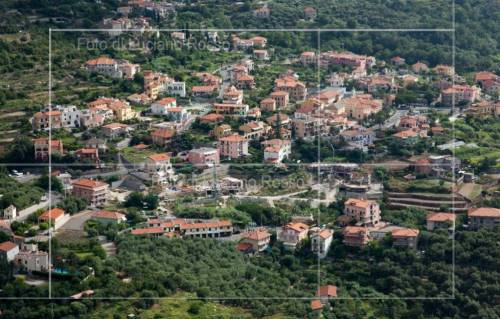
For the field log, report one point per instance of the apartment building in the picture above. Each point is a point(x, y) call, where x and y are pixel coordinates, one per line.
point(293, 233)
point(204, 156)
point(364, 212)
point(321, 240)
point(405, 237)
point(159, 168)
point(95, 192)
point(484, 217)
point(276, 150)
point(233, 146)
point(44, 148)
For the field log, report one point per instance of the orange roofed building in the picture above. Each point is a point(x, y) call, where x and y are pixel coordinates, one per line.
point(484, 217)
point(293, 233)
point(43, 149)
point(55, 217)
point(364, 212)
point(437, 220)
point(356, 236)
point(233, 146)
point(405, 237)
point(95, 192)
point(258, 239)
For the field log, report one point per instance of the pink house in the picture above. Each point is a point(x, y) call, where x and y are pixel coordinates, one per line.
point(204, 156)
point(233, 146)
point(364, 212)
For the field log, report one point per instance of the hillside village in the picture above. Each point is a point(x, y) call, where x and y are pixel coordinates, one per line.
point(316, 155)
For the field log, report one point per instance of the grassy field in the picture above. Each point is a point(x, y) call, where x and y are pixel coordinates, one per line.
point(136, 156)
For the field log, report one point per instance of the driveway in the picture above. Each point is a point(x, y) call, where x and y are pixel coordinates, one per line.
point(77, 221)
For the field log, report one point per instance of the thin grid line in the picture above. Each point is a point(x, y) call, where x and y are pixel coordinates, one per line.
point(50, 162)
point(259, 30)
point(453, 149)
point(318, 132)
point(245, 30)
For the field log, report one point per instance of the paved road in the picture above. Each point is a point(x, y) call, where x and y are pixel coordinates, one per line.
point(77, 221)
point(394, 119)
point(23, 214)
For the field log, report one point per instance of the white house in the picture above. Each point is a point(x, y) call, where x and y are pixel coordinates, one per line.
point(10, 213)
point(32, 259)
point(9, 250)
point(321, 239)
point(160, 169)
point(161, 107)
point(276, 150)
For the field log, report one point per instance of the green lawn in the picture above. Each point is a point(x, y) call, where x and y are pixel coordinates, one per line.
point(135, 156)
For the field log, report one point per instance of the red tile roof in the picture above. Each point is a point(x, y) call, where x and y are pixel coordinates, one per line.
point(484, 212)
point(88, 183)
point(327, 291)
point(7, 246)
point(316, 305)
point(54, 213)
point(159, 157)
point(405, 232)
point(441, 217)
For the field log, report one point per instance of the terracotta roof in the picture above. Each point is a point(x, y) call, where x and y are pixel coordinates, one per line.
point(325, 233)
point(166, 100)
point(484, 212)
point(101, 60)
point(207, 224)
point(7, 246)
point(298, 227)
point(362, 203)
point(232, 138)
point(108, 215)
point(354, 231)
point(212, 117)
point(257, 234)
point(405, 232)
point(279, 93)
point(441, 217)
point(327, 291)
point(163, 133)
point(54, 213)
point(203, 88)
point(244, 247)
point(159, 157)
point(308, 53)
point(89, 183)
point(316, 305)
point(145, 231)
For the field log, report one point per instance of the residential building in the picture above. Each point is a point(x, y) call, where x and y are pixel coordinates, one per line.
point(112, 68)
point(108, 217)
point(489, 81)
point(308, 57)
point(440, 220)
point(162, 136)
point(55, 218)
point(364, 212)
point(359, 63)
point(211, 118)
point(356, 236)
point(445, 70)
point(46, 120)
point(484, 217)
point(262, 12)
point(459, 93)
point(205, 91)
point(268, 105)
point(232, 96)
point(325, 293)
point(233, 146)
point(261, 54)
point(207, 229)
point(321, 240)
point(258, 239)
point(310, 13)
point(159, 169)
point(296, 89)
point(95, 192)
point(88, 155)
point(31, 259)
point(43, 149)
point(360, 106)
point(115, 130)
point(420, 67)
point(254, 130)
point(292, 234)
point(308, 126)
point(276, 150)
point(162, 106)
point(282, 98)
point(358, 137)
point(222, 130)
point(9, 250)
point(10, 213)
point(234, 110)
point(204, 156)
point(405, 237)
point(245, 81)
